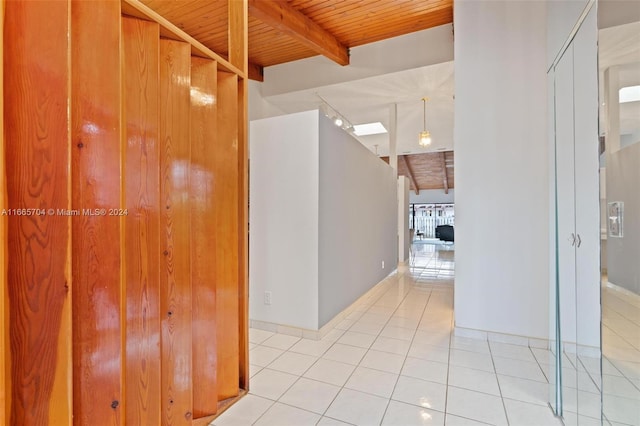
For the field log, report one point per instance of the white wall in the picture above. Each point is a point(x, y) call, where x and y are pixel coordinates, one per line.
point(428, 196)
point(259, 107)
point(357, 220)
point(501, 165)
point(383, 57)
point(283, 214)
point(323, 218)
point(403, 219)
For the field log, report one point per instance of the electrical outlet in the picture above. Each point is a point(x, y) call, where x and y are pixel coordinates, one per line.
point(267, 297)
point(383, 264)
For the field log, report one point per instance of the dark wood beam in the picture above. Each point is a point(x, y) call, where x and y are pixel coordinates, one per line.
point(256, 72)
point(445, 180)
point(405, 159)
point(279, 15)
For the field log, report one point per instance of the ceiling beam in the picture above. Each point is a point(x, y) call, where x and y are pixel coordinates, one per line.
point(256, 72)
point(279, 15)
point(445, 180)
point(405, 159)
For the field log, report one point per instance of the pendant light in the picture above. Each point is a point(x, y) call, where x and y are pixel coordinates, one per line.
point(424, 137)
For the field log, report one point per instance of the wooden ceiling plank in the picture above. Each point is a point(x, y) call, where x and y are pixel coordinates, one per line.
point(405, 161)
point(330, 18)
point(371, 15)
point(391, 29)
point(168, 30)
point(284, 18)
point(443, 164)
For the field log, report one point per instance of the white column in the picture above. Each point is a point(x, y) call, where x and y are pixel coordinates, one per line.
point(403, 219)
point(393, 133)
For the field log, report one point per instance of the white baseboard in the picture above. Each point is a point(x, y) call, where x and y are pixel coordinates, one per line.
point(331, 325)
point(532, 342)
point(491, 336)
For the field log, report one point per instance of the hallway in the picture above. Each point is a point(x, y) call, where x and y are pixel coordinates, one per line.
point(395, 361)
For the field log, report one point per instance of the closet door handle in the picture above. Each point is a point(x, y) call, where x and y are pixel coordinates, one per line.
point(572, 239)
point(578, 240)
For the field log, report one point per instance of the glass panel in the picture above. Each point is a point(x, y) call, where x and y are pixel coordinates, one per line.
point(555, 380)
point(619, 61)
point(586, 368)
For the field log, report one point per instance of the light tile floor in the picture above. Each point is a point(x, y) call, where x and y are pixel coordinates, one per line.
point(621, 350)
point(394, 361)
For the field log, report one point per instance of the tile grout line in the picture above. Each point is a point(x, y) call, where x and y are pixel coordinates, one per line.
point(495, 371)
point(368, 305)
point(407, 354)
point(446, 391)
point(396, 277)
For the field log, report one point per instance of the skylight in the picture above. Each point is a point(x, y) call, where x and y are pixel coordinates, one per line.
point(369, 129)
point(629, 94)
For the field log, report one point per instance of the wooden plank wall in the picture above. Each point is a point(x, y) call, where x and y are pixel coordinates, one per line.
point(203, 234)
point(226, 222)
point(37, 159)
point(95, 172)
point(126, 303)
point(5, 384)
point(238, 55)
point(175, 279)
point(141, 97)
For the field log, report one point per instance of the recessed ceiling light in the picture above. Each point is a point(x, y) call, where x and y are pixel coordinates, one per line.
point(369, 129)
point(629, 94)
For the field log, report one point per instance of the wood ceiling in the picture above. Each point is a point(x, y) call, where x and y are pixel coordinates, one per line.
point(281, 31)
point(432, 170)
point(287, 30)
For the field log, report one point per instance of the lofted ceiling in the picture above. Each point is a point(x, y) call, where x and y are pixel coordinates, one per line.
point(433, 170)
point(283, 31)
point(287, 30)
point(369, 99)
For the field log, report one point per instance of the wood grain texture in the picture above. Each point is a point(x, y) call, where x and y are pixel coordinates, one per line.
point(35, 61)
point(350, 23)
point(303, 30)
point(175, 277)
point(226, 200)
point(243, 233)
point(171, 31)
point(95, 171)
point(238, 33)
point(141, 41)
point(430, 170)
point(203, 234)
point(5, 373)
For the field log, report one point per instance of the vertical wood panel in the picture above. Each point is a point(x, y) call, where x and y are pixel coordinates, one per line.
point(35, 61)
point(243, 223)
point(203, 234)
point(95, 170)
point(238, 34)
point(142, 224)
point(175, 277)
point(226, 252)
point(5, 385)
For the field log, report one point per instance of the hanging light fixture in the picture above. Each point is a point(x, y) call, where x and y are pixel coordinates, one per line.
point(424, 137)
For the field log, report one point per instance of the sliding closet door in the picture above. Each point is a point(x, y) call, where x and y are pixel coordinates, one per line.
point(565, 216)
point(585, 82)
point(577, 310)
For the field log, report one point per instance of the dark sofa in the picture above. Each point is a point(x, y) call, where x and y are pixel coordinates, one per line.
point(444, 232)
